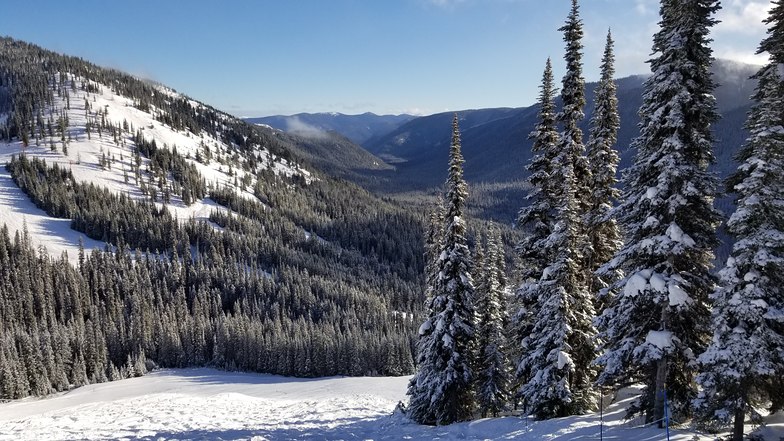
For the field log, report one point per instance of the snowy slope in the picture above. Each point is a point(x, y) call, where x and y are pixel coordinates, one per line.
point(84, 154)
point(209, 404)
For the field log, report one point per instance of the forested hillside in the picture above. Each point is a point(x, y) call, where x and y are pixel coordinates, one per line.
point(220, 246)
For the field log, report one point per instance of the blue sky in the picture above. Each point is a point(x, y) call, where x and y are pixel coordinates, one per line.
point(255, 58)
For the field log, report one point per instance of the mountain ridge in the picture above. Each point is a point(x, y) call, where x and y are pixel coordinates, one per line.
point(358, 128)
point(496, 145)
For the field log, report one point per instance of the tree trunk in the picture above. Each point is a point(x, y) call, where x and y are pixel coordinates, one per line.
point(658, 399)
point(661, 378)
point(737, 427)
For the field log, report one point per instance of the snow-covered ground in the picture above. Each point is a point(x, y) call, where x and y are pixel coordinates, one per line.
point(210, 404)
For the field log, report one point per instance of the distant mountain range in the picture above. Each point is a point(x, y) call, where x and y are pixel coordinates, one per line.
point(408, 154)
point(496, 145)
point(357, 128)
point(410, 157)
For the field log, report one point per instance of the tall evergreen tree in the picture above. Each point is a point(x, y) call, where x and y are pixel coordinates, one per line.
point(560, 344)
point(493, 364)
point(571, 139)
point(603, 159)
point(536, 219)
point(658, 323)
point(561, 337)
point(441, 391)
point(743, 367)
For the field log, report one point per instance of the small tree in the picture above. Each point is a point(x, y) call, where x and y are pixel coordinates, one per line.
point(493, 363)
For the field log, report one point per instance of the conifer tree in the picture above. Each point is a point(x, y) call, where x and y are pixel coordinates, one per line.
point(536, 219)
point(658, 323)
point(419, 386)
point(603, 159)
point(433, 244)
point(560, 344)
point(441, 391)
point(493, 363)
point(571, 136)
point(743, 367)
point(482, 281)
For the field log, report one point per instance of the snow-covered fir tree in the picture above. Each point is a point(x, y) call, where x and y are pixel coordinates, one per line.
point(743, 367)
point(571, 136)
point(481, 286)
point(657, 324)
point(492, 362)
point(555, 323)
point(536, 219)
point(603, 159)
point(478, 273)
point(560, 345)
point(442, 389)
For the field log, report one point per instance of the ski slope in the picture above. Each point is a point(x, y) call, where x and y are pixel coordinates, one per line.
point(84, 153)
point(209, 404)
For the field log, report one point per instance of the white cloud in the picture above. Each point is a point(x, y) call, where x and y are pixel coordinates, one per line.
point(742, 16)
point(741, 56)
point(646, 7)
point(295, 125)
point(740, 30)
point(416, 111)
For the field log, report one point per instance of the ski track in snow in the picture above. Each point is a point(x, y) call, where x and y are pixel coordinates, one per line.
point(196, 404)
point(17, 211)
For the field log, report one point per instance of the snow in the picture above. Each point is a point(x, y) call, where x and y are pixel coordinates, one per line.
point(267, 126)
point(84, 155)
point(425, 327)
point(18, 211)
point(751, 276)
point(676, 295)
point(635, 285)
point(658, 283)
point(564, 360)
point(650, 222)
point(675, 233)
point(210, 404)
point(660, 339)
